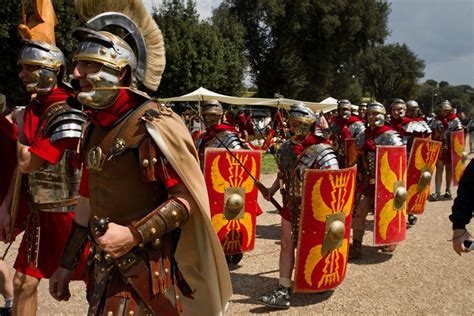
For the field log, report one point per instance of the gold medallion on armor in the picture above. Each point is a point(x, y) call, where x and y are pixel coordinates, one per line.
point(118, 146)
point(95, 158)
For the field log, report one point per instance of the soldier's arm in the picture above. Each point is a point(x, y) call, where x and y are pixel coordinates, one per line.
point(27, 161)
point(172, 214)
point(462, 209)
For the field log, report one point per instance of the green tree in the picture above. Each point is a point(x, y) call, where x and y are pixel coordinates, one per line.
point(10, 43)
point(199, 53)
point(296, 47)
point(391, 71)
point(461, 97)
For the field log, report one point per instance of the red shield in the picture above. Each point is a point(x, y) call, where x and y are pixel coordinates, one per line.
point(390, 195)
point(423, 157)
point(325, 227)
point(232, 196)
point(350, 150)
point(458, 155)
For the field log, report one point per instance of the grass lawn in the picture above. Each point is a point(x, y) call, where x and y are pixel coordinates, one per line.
point(269, 164)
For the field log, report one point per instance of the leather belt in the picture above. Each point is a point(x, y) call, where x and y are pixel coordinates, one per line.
point(49, 207)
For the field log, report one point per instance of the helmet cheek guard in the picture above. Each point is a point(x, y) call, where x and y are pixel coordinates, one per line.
point(51, 63)
point(104, 92)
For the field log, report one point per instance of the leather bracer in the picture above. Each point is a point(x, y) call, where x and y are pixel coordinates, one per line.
point(167, 217)
point(75, 245)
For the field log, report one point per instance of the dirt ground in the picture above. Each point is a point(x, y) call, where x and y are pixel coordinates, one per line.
point(424, 275)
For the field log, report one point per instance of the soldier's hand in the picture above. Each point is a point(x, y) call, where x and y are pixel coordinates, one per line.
point(4, 225)
point(459, 236)
point(59, 284)
point(117, 240)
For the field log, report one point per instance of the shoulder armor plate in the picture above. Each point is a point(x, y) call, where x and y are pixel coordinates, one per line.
point(417, 127)
point(360, 140)
point(436, 124)
point(321, 156)
point(454, 125)
point(356, 128)
point(227, 139)
point(66, 123)
point(389, 138)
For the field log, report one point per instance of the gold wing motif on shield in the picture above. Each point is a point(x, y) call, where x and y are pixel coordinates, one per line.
point(388, 178)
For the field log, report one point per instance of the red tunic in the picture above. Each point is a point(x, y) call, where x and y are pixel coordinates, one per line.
point(445, 155)
point(398, 125)
point(8, 138)
point(54, 227)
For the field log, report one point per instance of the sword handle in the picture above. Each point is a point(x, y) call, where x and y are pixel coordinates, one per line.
point(99, 226)
point(264, 190)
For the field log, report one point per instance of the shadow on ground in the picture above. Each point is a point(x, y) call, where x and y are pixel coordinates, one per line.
point(271, 232)
point(372, 255)
point(244, 284)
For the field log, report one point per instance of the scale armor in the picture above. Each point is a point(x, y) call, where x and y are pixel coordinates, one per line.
point(319, 156)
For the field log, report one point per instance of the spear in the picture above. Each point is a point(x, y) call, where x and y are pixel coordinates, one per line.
point(260, 186)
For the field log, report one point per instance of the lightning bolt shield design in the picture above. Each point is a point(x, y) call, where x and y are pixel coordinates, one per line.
point(222, 171)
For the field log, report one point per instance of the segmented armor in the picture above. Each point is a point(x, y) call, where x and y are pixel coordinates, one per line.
point(415, 129)
point(355, 129)
point(318, 156)
point(224, 139)
point(442, 134)
point(367, 159)
point(54, 188)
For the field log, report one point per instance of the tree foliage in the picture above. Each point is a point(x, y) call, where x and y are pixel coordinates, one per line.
point(461, 97)
point(10, 42)
point(199, 53)
point(296, 47)
point(390, 71)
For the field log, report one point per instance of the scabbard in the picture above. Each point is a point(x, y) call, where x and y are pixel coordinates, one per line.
point(138, 277)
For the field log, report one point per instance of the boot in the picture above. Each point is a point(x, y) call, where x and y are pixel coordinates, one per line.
point(389, 248)
point(355, 250)
point(279, 298)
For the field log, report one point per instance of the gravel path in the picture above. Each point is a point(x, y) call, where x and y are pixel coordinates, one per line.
point(424, 275)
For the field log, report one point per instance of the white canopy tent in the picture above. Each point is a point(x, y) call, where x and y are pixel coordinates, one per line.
point(202, 94)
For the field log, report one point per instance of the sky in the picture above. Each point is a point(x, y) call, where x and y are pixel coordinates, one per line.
point(441, 32)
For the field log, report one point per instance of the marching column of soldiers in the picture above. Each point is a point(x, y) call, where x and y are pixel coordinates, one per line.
point(110, 188)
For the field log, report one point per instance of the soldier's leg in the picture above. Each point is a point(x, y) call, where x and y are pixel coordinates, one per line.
point(287, 253)
point(436, 196)
point(25, 292)
point(449, 179)
point(6, 286)
point(280, 298)
point(358, 226)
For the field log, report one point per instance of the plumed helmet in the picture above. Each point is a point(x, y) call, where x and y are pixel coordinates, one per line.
point(212, 107)
point(445, 105)
point(51, 63)
point(120, 35)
